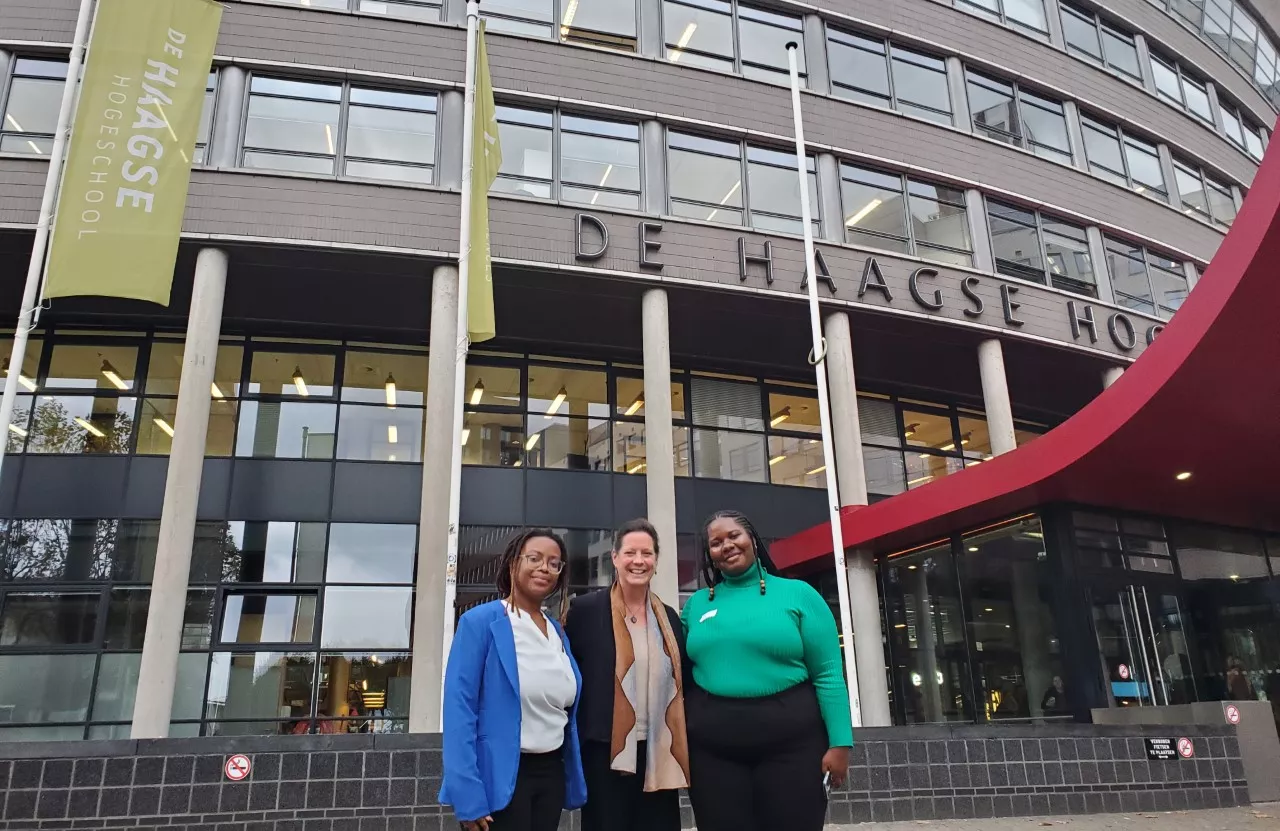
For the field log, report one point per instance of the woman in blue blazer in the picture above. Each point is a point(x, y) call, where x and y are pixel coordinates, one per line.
point(511, 690)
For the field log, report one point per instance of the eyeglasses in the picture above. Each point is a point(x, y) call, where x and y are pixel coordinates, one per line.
point(535, 560)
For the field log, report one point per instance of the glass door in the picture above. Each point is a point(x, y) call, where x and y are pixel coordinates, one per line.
point(1142, 644)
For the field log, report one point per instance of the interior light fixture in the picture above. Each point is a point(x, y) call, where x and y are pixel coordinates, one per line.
point(466, 435)
point(816, 470)
point(1139, 189)
point(87, 426)
point(948, 446)
point(911, 429)
point(780, 416)
point(328, 137)
point(973, 548)
point(163, 425)
point(518, 463)
point(391, 457)
point(919, 479)
point(393, 434)
point(558, 401)
point(635, 405)
point(988, 609)
point(391, 391)
point(912, 568)
point(567, 23)
point(9, 118)
point(1233, 576)
point(608, 169)
point(532, 441)
point(1183, 476)
point(109, 372)
point(299, 382)
point(726, 198)
point(900, 626)
point(637, 467)
point(862, 214)
point(777, 459)
point(22, 379)
point(35, 148)
point(215, 392)
point(477, 392)
point(17, 431)
point(685, 37)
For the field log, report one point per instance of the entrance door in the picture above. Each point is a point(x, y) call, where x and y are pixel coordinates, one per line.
point(1142, 643)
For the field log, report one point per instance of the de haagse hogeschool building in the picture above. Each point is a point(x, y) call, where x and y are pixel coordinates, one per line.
point(1011, 201)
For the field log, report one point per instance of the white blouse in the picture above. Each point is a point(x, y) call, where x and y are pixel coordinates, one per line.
point(547, 684)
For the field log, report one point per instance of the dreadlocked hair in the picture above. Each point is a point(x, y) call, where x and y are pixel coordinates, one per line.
point(509, 562)
point(711, 574)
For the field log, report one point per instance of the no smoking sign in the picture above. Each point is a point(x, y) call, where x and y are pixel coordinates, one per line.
point(1186, 749)
point(237, 767)
point(1232, 712)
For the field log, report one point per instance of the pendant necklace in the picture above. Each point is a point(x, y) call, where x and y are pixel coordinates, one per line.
point(634, 617)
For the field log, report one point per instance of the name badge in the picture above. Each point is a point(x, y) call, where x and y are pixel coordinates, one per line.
point(708, 615)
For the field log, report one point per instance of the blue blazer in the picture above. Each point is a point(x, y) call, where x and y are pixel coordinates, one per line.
point(482, 718)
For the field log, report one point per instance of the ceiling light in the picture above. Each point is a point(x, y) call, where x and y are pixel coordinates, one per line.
point(518, 463)
point(557, 401)
point(35, 149)
point(912, 568)
point(780, 416)
point(86, 425)
point(637, 467)
point(18, 431)
point(567, 22)
point(466, 435)
point(816, 470)
point(973, 548)
point(1139, 189)
point(900, 626)
point(948, 446)
point(911, 429)
point(109, 372)
point(635, 405)
point(328, 137)
point(1183, 476)
point(391, 457)
point(22, 379)
point(391, 391)
point(215, 392)
point(685, 37)
point(919, 479)
point(862, 214)
point(988, 609)
point(477, 392)
point(393, 434)
point(299, 382)
point(528, 445)
point(9, 118)
point(164, 425)
point(777, 459)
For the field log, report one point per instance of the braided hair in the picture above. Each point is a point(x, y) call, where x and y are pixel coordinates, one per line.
point(711, 574)
point(509, 563)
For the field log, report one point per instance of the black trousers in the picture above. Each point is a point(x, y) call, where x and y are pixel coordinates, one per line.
point(756, 763)
point(539, 797)
point(618, 802)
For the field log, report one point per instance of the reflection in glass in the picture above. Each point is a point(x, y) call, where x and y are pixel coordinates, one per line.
point(495, 439)
point(291, 125)
point(600, 22)
point(923, 468)
point(277, 552)
point(370, 689)
point(721, 454)
point(558, 390)
point(630, 398)
point(38, 689)
point(699, 34)
point(263, 687)
point(48, 618)
point(493, 386)
point(117, 685)
point(706, 178)
point(763, 38)
point(392, 127)
point(885, 470)
point(160, 417)
point(164, 369)
point(286, 430)
point(268, 618)
point(630, 454)
point(104, 367)
point(387, 378)
point(797, 461)
point(74, 550)
point(926, 636)
point(81, 424)
point(367, 618)
point(567, 443)
point(381, 434)
point(526, 152)
point(291, 373)
point(371, 553)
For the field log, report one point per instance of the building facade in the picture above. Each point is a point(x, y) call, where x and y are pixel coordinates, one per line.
point(1010, 199)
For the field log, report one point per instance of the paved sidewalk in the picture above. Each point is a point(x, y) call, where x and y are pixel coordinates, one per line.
point(1254, 818)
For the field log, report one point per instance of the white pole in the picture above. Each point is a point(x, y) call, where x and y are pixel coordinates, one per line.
point(818, 359)
point(35, 268)
point(460, 370)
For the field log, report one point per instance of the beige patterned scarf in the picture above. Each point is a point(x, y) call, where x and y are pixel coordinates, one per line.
point(667, 751)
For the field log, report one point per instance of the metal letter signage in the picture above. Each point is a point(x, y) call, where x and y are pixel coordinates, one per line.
point(967, 289)
point(820, 268)
point(1010, 308)
point(1078, 320)
point(1127, 339)
point(872, 269)
point(913, 286)
point(745, 259)
point(647, 245)
point(580, 251)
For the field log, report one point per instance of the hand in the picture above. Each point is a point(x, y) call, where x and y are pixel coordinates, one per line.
point(836, 762)
point(481, 824)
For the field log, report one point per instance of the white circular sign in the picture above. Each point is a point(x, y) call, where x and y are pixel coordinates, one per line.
point(1124, 672)
point(1185, 748)
point(1233, 714)
point(237, 767)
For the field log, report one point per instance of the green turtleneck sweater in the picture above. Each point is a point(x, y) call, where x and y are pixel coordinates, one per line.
point(747, 645)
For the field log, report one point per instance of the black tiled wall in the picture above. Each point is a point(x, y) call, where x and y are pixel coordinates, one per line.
point(389, 783)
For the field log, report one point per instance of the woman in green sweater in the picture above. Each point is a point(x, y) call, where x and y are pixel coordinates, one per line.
point(768, 714)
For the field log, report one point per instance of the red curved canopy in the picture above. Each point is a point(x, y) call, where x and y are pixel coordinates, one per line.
point(1204, 399)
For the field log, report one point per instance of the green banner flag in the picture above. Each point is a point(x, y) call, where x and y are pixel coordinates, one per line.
point(486, 158)
point(124, 188)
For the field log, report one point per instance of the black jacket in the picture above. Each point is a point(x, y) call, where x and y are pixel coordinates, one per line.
point(589, 627)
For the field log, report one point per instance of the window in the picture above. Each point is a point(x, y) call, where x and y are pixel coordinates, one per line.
point(1025, 14)
point(701, 33)
point(31, 108)
point(630, 452)
point(707, 178)
point(1242, 132)
point(599, 161)
point(206, 119)
point(300, 126)
point(1006, 113)
point(421, 10)
point(795, 436)
point(383, 400)
point(1202, 195)
point(1089, 36)
point(160, 407)
point(1123, 159)
point(1228, 27)
point(1144, 280)
point(895, 213)
point(607, 23)
point(1176, 85)
point(880, 73)
point(1035, 247)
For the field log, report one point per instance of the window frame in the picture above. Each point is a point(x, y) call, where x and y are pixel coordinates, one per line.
point(847, 40)
point(1111, 246)
point(670, 39)
point(1263, 65)
point(1124, 140)
point(1001, 16)
point(9, 73)
point(1021, 272)
point(905, 183)
point(1024, 141)
point(1101, 28)
point(1207, 184)
point(1184, 79)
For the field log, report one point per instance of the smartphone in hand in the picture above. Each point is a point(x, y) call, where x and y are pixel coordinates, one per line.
point(826, 783)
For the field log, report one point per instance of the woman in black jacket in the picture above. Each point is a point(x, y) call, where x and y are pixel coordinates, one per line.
point(629, 647)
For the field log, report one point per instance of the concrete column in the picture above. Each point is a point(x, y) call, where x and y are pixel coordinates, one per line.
point(449, 125)
point(864, 593)
point(1170, 175)
point(975, 206)
point(1098, 258)
point(158, 670)
point(1053, 17)
point(828, 168)
point(650, 31)
point(653, 139)
point(224, 143)
point(659, 443)
point(1075, 136)
point(1110, 375)
point(433, 518)
point(960, 118)
point(995, 397)
point(1144, 62)
point(815, 54)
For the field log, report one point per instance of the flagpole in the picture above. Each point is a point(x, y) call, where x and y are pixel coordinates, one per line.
point(818, 358)
point(39, 247)
point(460, 368)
